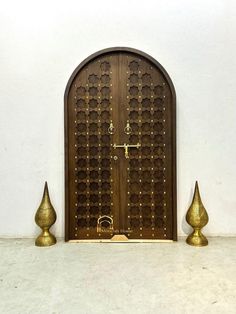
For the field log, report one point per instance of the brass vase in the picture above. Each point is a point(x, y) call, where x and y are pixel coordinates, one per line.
point(45, 217)
point(197, 218)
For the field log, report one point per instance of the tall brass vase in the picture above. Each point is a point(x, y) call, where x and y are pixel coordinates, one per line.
point(45, 217)
point(197, 218)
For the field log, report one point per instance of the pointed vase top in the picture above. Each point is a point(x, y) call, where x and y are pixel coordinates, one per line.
point(197, 197)
point(197, 214)
point(46, 202)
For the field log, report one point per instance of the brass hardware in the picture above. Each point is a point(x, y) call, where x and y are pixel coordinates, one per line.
point(119, 238)
point(45, 217)
point(115, 157)
point(128, 128)
point(126, 148)
point(104, 224)
point(197, 217)
point(111, 128)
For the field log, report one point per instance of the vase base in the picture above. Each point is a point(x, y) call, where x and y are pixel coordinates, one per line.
point(45, 240)
point(197, 239)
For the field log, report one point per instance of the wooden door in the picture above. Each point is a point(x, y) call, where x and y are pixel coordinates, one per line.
point(120, 149)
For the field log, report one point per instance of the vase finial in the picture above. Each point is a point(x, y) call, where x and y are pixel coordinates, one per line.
point(197, 218)
point(45, 217)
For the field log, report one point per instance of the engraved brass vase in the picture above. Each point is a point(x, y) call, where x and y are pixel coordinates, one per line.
point(45, 217)
point(197, 218)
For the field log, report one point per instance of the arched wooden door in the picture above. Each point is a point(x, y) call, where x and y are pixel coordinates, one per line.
point(120, 174)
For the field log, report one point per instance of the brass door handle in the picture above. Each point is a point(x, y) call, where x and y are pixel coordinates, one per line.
point(126, 148)
point(127, 129)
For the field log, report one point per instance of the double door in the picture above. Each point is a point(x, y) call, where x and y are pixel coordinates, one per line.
point(120, 149)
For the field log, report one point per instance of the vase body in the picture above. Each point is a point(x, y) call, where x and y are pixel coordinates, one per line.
point(197, 218)
point(45, 217)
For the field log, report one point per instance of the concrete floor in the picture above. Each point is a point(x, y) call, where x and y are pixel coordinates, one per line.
point(118, 278)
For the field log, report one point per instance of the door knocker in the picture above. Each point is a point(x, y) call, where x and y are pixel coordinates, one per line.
point(111, 129)
point(127, 129)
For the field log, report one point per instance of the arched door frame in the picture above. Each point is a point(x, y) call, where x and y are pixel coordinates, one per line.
point(172, 89)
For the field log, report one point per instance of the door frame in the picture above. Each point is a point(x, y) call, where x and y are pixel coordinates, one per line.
point(66, 150)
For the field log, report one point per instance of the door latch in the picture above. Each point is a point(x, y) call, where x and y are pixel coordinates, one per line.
point(126, 148)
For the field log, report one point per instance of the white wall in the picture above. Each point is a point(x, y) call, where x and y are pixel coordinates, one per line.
point(41, 42)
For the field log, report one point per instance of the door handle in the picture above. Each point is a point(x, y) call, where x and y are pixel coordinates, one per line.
point(126, 147)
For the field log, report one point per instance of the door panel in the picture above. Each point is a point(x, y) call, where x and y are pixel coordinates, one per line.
point(120, 97)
